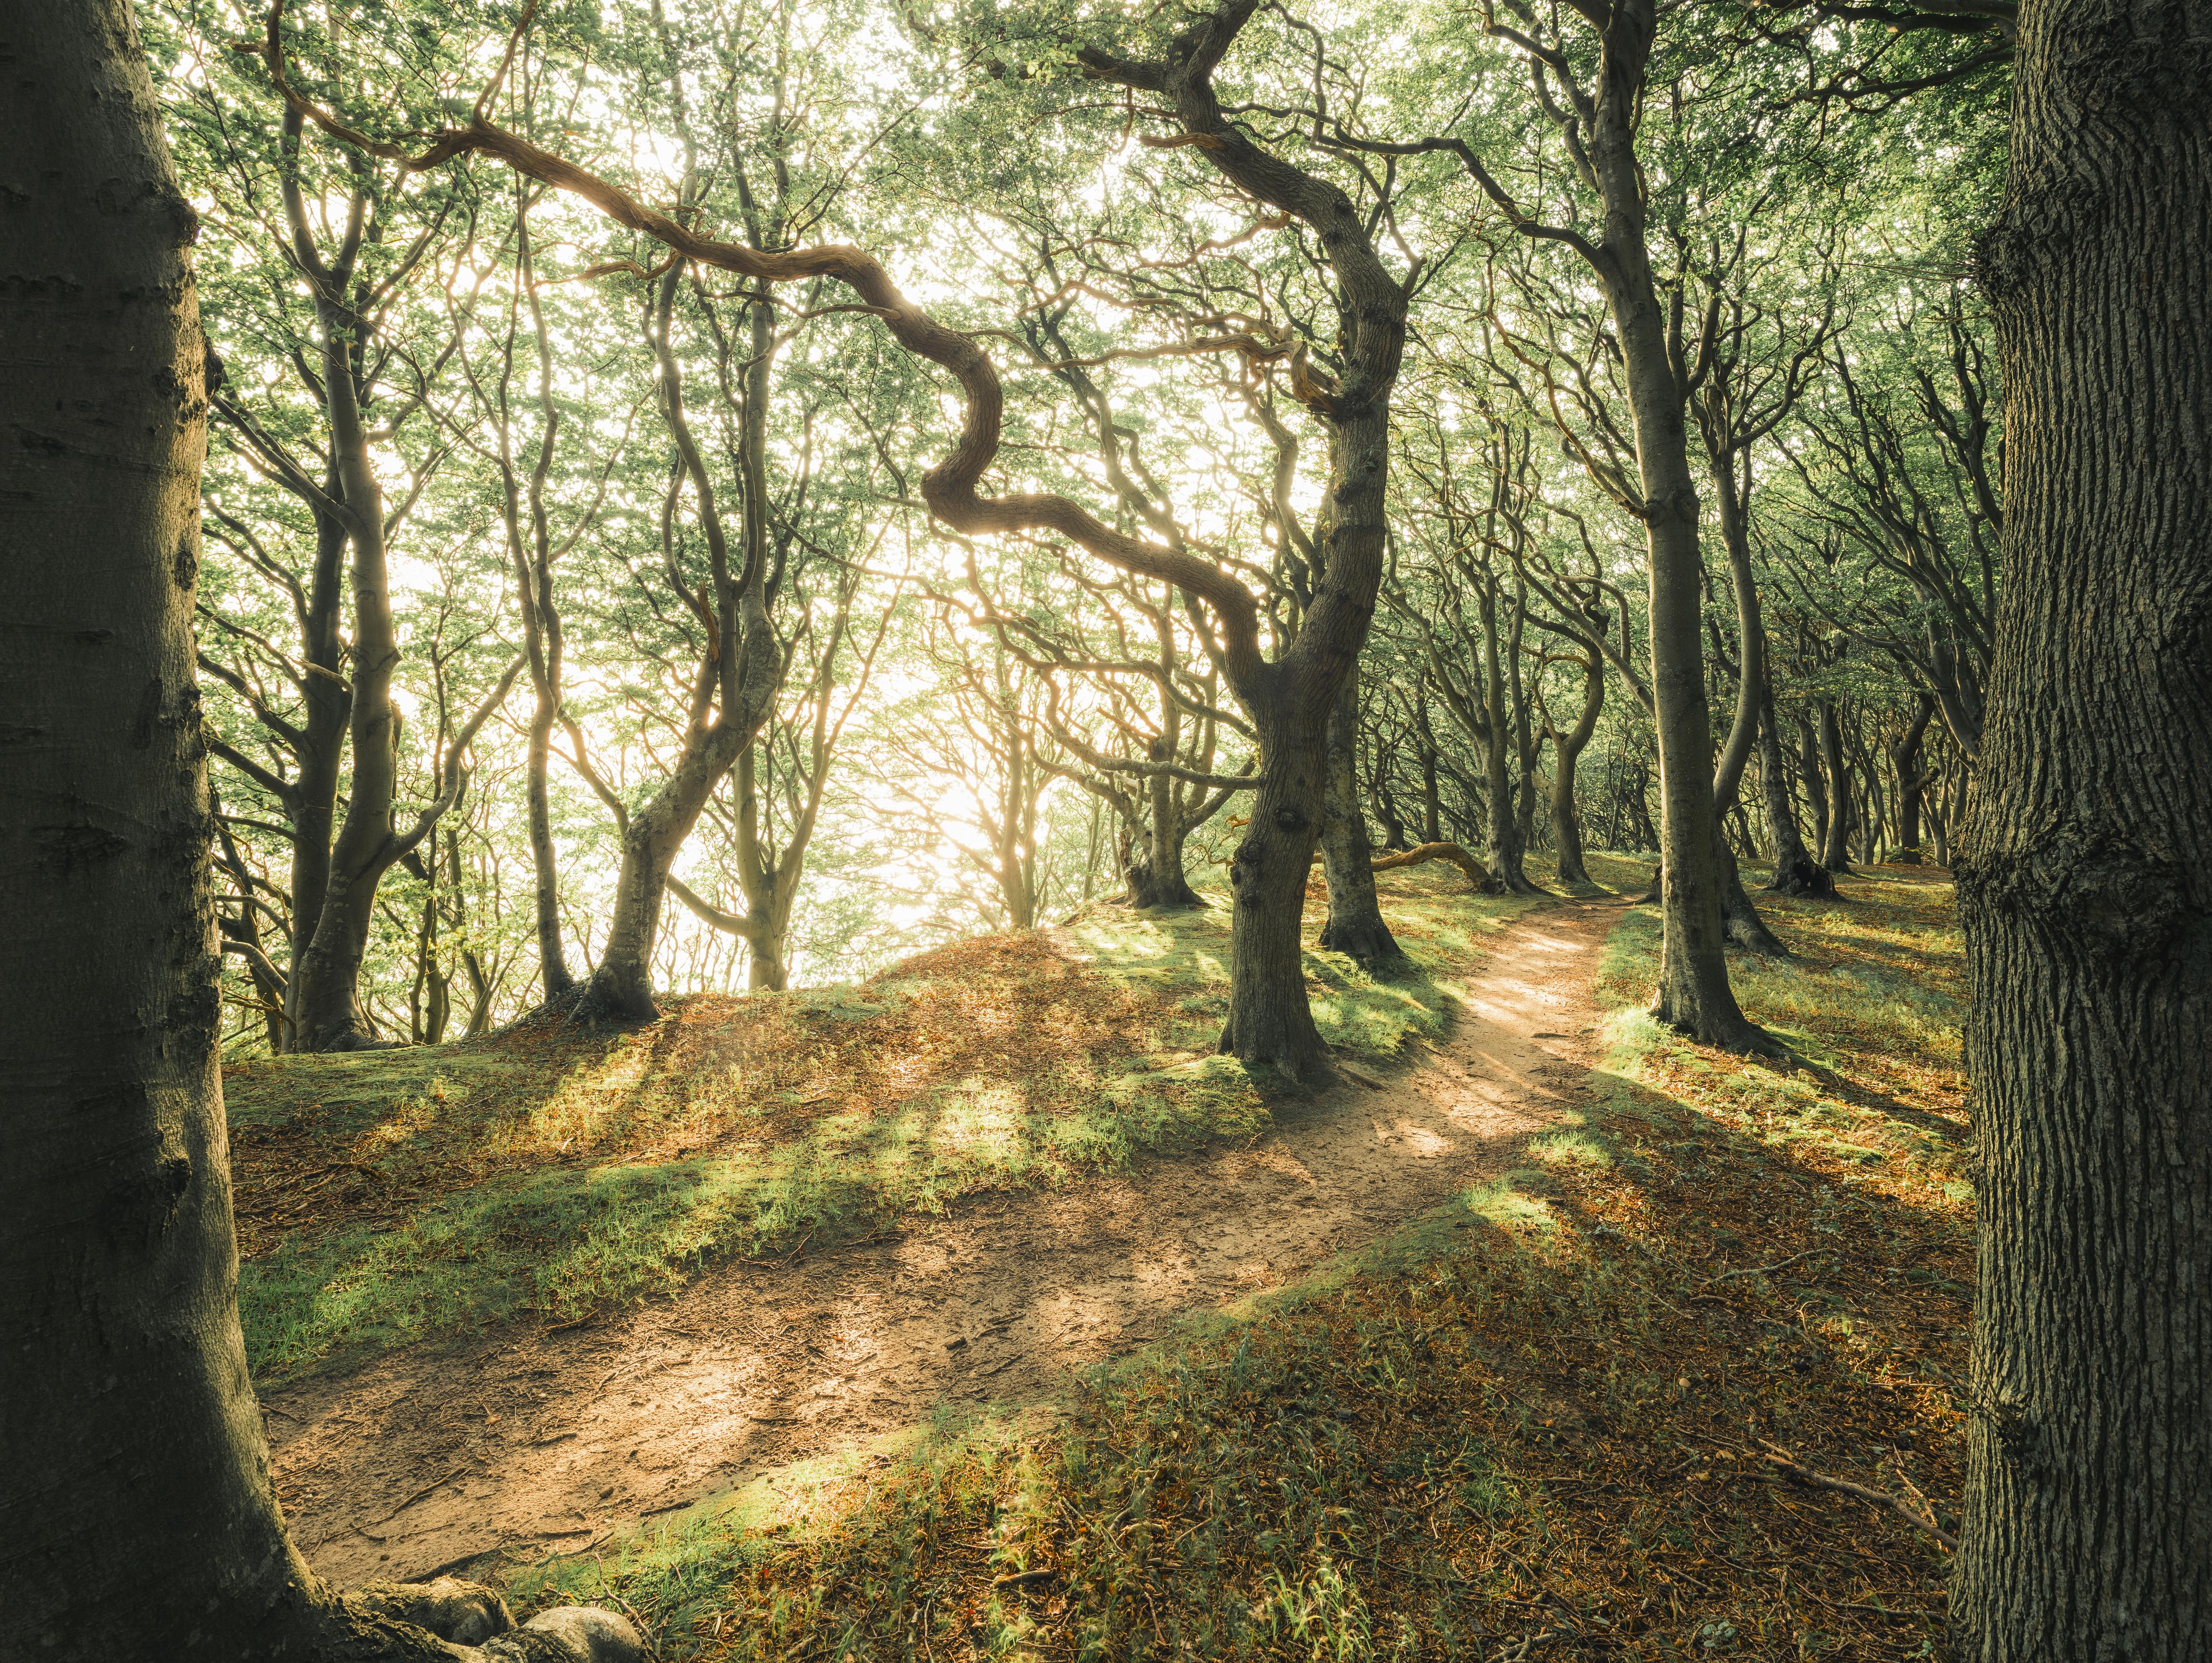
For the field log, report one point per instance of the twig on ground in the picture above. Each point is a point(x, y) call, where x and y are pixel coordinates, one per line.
point(1897, 1504)
point(1761, 1270)
point(420, 1494)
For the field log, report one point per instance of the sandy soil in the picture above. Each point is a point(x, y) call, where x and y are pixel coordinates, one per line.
point(533, 1441)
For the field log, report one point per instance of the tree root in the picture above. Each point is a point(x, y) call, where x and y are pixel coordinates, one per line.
point(1802, 877)
point(1477, 874)
point(468, 1623)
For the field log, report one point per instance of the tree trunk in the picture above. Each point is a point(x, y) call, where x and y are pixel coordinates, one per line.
point(1796, 871)
point(2085, 877)
point(1507, 850)
point(1908, 758)
point(1567, 749)
point(1836, 823)
point(1270, 1022)
point(139, 1519)
point(741, 668)
point(1694, 995)
point(1741, 920)
point(320, 755)
point(1355, 924)
point(1154, 871)
point(1816, 791)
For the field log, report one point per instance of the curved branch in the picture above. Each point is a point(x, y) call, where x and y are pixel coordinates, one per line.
point(949, 488)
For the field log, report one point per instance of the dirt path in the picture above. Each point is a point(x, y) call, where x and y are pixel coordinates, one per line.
point(534, 1441)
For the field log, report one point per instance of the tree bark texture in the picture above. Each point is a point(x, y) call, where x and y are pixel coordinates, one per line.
point(2085, 874)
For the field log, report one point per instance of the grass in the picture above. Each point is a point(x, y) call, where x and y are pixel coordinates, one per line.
point(386, 1196)
point(1537, 1424)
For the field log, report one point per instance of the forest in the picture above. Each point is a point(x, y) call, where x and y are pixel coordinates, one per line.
point(924, 830)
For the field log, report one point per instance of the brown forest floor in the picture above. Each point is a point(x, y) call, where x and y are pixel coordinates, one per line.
point(1593, 1280)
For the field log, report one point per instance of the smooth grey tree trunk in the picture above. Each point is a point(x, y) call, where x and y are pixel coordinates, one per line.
point(2085, 874)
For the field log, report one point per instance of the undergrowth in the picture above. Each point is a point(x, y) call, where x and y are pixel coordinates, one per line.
point(1542, 1424)
point(386, 1196)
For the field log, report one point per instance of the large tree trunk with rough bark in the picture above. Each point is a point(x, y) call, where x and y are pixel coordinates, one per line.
point(1355, 924)
point(138, 1520)
point(2085, 877)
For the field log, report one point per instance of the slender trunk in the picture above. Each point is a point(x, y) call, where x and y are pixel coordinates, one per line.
point(1694, 995)
point(1836, 824)
point(740, 667)
point(1742, 920)
point(1507, 851)
point(2084, 880)
point(554, 976)
point(1816, 792)
point(1796, 871)
point(1908, 758)
point(1432, 806)
point(1387, 814)
point(543, 644)
point(1566, 751)
point(329, 974)
point(320, 755)
point(1355, 924)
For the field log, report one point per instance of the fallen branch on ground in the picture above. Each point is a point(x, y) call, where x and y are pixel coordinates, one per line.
point(1897, 1504)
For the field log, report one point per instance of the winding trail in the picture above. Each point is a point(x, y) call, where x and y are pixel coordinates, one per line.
point(533, 1441)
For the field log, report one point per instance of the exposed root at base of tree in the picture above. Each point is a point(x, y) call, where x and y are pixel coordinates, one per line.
point(1806, 878)
point(1477, 874)
point(451, 1621)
